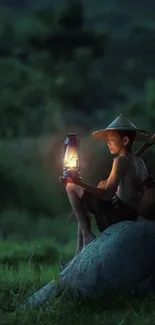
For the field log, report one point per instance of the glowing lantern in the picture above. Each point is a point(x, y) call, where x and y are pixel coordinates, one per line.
point(71, 165)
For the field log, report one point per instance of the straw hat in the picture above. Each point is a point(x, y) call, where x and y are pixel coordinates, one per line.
point(121, 123)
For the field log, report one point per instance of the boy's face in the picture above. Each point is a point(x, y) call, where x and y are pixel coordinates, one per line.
point(116, 143)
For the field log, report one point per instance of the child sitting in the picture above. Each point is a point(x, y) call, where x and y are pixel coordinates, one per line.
point(111, 201)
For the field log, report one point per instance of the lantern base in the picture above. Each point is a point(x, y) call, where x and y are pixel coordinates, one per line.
point(70, 173)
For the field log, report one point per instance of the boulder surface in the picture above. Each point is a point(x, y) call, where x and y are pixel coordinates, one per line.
point(121, 258)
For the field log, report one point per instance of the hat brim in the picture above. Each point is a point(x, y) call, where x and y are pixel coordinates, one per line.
point(102, 135)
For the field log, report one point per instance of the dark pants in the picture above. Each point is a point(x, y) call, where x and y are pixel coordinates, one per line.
point(107, 213)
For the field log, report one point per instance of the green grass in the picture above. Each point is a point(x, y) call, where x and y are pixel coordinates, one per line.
point(67, 310)
point(44, 252)
point(20, 281)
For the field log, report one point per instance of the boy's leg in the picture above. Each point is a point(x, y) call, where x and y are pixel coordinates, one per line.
point(80, 236)
point(75, 194)
point(85, 236)
point(113, 211)
point(79, 241)
point(78, 247)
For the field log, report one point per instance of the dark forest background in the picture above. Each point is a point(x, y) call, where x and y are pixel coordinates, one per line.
point(66, 66)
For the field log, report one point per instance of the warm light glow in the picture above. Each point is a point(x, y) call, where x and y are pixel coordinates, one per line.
point(71, 158)
point(71, 164)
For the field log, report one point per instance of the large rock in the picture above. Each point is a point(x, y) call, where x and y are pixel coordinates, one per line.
point(121, 258)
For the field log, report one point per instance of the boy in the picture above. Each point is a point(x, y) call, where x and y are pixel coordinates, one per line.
point(112, 200)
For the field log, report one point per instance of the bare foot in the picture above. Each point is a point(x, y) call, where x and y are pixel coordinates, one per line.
point(78, 250)
point(88, 239)
point(64, 265)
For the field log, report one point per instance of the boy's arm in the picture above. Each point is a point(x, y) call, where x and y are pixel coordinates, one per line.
point(102, 184)
point(106, 193)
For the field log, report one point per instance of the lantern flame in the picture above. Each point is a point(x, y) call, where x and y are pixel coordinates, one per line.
point(71, 159)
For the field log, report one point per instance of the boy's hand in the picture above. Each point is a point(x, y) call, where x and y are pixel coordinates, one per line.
point(101, 184)
point(67, 180)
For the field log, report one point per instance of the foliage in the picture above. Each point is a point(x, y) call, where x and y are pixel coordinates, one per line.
point(65, 68)
point(47, 65)
point(58, 68)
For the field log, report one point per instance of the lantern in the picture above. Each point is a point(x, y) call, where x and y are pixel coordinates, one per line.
point(71, 165)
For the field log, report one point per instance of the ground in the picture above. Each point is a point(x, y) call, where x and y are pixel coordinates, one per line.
point(21, 274)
